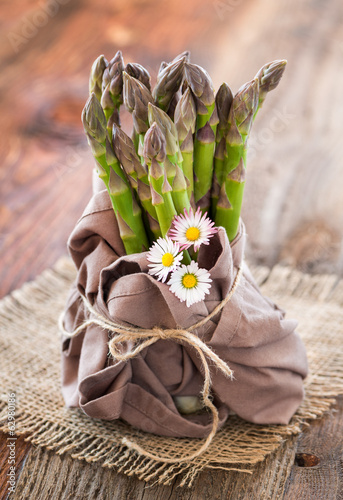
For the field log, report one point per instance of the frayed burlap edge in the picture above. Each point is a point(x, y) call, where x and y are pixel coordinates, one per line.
point(30, 367)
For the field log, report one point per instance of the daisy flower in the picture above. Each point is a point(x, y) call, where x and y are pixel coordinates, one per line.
point(189, 283)
point(165, 257)
point(192, 229)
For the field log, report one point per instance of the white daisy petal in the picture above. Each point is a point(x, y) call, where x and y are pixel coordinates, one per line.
point(192, 229)
point(189, 283)
point(164, 257)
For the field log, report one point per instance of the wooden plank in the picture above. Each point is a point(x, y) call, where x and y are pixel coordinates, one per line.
point(21, 451)
point(323, 441)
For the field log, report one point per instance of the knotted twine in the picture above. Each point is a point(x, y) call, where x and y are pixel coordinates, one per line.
point(144, 337)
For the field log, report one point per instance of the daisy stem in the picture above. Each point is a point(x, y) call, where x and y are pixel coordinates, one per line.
point(186, 258)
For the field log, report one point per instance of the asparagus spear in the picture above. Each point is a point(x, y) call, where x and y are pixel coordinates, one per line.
point(125, 152)
point(168, 129)
point(172, 163)
point(224, 100)
point(185, 115)
point(168, 83)
point(185, 120)
point(140, 73)
point(186, 55)
point(112, 90)
point(201, 85)
point(95, 78)
point(126, 209)
point(177, 96)
point(230, 201)
point(154, 152)
point(241, 114)
point(269, 77)
point(245, 105)
point(137, 174)
point(136, 99)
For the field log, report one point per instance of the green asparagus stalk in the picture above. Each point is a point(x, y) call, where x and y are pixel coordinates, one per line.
point(112, 90)
point(227, 209)
point(169, 131)
point(269, 77)
point(154, 152)
point(128, 214)
point(126, 209)
point(125, 152)
point(240, 120)
point(177, 96)
point(230, 201)
point(185, 121)
point(185, 115)
point(137, 174)
point(140, 73)
point(204, 146)
point(175, 175)
point(168, 83)
point(224, 100)
point(219, 161)
point(243, 110)
point(201, 85)
point(173, 103)
point(96, 74)
point(136, 99)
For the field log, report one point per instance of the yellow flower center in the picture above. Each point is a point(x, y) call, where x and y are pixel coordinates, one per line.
point(167, 259)
point(189, 281)
point(192, 233)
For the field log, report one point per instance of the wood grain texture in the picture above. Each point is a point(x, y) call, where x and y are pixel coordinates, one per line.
point(293, 206)
point(324, 440)
point(21, 450)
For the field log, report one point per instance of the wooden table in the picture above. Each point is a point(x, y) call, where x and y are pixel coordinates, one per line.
point(293, 203)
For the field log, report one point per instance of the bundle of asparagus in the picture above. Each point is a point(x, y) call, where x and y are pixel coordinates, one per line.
point(188, 146)
point(171, 184)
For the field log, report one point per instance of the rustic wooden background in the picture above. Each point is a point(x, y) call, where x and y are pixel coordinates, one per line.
point(293, 207)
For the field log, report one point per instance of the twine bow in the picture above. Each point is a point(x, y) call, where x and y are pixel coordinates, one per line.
point(144, 337)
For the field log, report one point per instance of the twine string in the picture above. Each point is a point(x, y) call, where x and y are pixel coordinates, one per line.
point(144, 337)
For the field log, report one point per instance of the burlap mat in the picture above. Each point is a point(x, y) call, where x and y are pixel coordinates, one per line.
point(30, 367)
